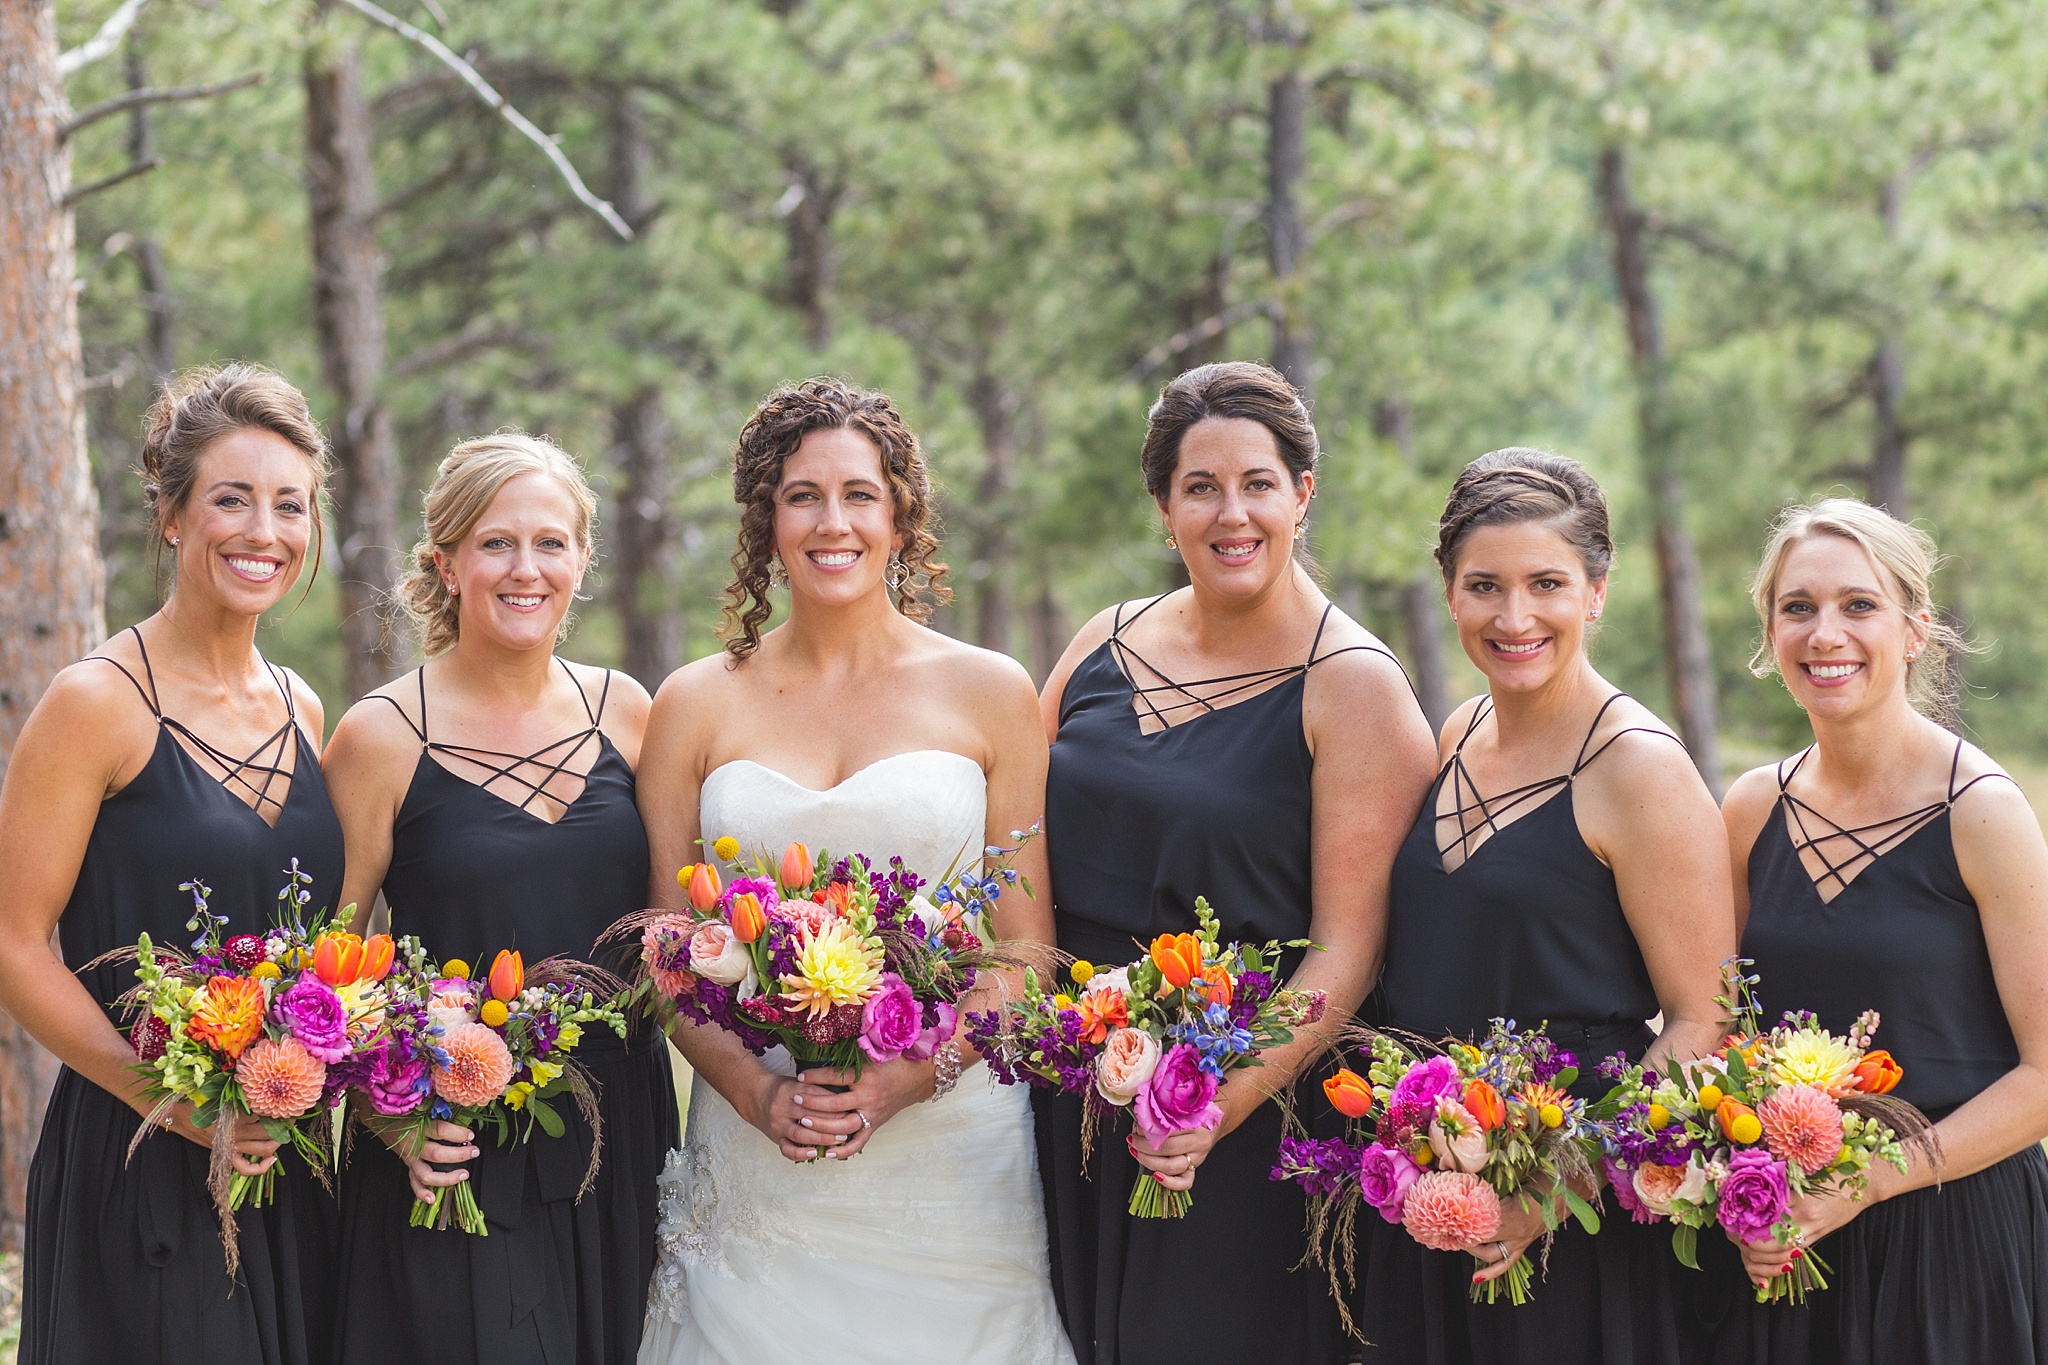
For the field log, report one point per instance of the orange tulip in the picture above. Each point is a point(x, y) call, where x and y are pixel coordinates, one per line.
point(749, 921)
point(1877, 1073)
point(1350, 1093)
point(1484, 1103)
point(796, 867)
point(338, 958)
point(1739, 1122)
point(1179, 957)
point(705, 888)
point(508, 976)
point(1215, 986)
point(378, 952)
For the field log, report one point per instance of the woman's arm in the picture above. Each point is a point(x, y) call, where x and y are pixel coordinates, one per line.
point(1374, 762)
point(86, 739)
point(1647, 814)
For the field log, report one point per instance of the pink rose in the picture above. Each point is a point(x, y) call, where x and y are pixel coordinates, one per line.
point(937, 1036)
point(890, 1021)
point(1179, 1097)
point(717, 955)
point(1384, 1177)
point(1456, 1137)
point(1656, 1186)
point(1129, 1057)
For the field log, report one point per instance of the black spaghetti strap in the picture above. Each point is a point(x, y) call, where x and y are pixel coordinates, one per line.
point(604, 695)
point(156, 704)
point(500, 765)
point(234, 772)
point(401, 715)
point(1862, 852)
point(134, 681)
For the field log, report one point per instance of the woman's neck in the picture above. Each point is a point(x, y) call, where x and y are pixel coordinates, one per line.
point(1534, 717)
point(1227, 627)
point(832, 636)
point(1874, 748)
point(481, 667)
point(205, 640)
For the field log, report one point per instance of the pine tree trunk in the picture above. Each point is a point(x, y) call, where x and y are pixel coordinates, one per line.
point(643, 571)
point(149, 254)
point(1889, 437)
point(1286, 165)
point(1422, 597)
point(995, 410)
point(1688, 657)
point(348, 312)
point(52, 607)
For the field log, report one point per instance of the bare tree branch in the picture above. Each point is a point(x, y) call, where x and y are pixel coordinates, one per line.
point(1205, 330)
point(101, 43)
point(478, 336)
point(489, 95)
point(93, 113)
point(78, 192)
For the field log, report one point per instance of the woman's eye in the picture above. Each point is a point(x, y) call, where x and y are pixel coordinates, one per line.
point(860, 495)
point(551, 543)
point(497, 543)
point(1862, 604)
point(1795, 609)
point(1261, 485)
point(291, 508)
point(1549, 584)
point(229, 500)
point(799, 498)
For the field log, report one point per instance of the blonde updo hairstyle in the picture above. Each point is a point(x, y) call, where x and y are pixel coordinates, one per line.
point(463, 488)
point(196, 407)
point(1905, 555)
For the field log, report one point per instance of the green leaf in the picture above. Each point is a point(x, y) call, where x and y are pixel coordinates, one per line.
point(1563, 1079)
point(1588, 1218)
point(1685, 1243)
point(544, 1114)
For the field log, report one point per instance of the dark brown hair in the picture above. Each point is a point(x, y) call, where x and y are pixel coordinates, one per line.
point(767, 441)
point(1518, 484)
point(1230, 389)
point(199, 406)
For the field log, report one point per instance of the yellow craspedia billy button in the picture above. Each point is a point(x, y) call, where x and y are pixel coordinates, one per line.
point(1552, 1115)
point(1084, 971)
point(1746, 1128)
point(494, 1013)
point(265, 971)
point(683, 877)
point(455, 969)
point(727, 848)
point(1711, 1097)
point(1660, 1118)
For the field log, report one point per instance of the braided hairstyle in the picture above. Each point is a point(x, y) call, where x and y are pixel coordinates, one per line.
point(767, 441)
point(1518, 484)
point(196, 407)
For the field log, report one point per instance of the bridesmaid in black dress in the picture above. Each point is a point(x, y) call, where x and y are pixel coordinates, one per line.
point(1563, 872)
point(1242, 740)
point(173, 753)
point(1893, 867)
point(490, 797)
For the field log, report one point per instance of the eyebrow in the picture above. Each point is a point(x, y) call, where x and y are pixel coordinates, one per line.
point(1211, 474)
point(858, 481)
point(241, 487)
point(1851, 591)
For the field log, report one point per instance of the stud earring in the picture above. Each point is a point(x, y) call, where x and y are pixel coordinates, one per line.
point(1171, 543)
point(174, 542)
point(1299, 532)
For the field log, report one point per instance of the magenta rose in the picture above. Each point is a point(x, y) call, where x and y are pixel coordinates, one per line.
point(396, 1089)
point(1754, 1195)
point(315, 1016)
point(937, 1036)
point(1415, 1094)
point(1384, 1175)
point(891, 1021)
point(1179, 1096)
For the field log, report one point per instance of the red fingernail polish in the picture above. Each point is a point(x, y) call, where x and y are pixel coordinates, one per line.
point(1478, 1278)
point(1797, 1252)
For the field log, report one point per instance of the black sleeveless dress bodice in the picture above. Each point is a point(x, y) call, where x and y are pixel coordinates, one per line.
point(1527, 926)
point(557, 1280)
point(124, 1261)
point(1138, 825)
point(1948, 1273)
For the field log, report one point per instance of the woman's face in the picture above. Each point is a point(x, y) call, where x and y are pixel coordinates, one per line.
point(1522, 599)
point(1839, 633)
point(516, 573)
point(242, 534)
point(1233, 506)
point(835, 518)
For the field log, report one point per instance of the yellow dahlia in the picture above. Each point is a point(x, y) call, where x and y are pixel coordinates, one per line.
point(1811, 1057)
point(834, 966)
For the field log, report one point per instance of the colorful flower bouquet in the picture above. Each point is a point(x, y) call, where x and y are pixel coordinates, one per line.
point(1731, 1138)
point(253, 1025)
point(838, 963)
point(491, 1055)
point(1154, 1037)
point(1439, 1141)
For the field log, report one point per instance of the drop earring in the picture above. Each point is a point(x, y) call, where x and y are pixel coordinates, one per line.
point(1299, 529)
point(1171, 543)
point(895, 574)
point(778, 577)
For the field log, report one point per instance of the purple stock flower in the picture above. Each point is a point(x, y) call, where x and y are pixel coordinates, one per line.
point(1319, 1165)
point(315, 1016)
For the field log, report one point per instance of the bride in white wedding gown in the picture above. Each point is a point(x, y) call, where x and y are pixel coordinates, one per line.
point(900, 1221)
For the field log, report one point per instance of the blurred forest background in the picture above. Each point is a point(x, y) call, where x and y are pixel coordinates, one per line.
point(1729, 253)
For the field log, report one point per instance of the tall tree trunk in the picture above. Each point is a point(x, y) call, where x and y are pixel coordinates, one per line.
point(1050, 630)
point(1889, 437)
point(348, 314)
point(52, 604)
point(1286, 165)
point(149, 253)
point(644, 568)
point(1688, 657)
point(995, 406)
point(813, 267)
point(1422, 597)
point(643, 571)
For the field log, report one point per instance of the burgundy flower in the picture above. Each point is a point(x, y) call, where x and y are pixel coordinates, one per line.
point(243, 951)
point(150, 1037)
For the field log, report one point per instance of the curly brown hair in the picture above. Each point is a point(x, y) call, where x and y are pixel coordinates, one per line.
point(766, 442)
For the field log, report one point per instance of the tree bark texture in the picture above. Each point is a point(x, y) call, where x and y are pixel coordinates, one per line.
point(813, 268)
point(149, 253)
point(348, 314)
point(995, 406)
point(643, 569)
point(1286, 165)
point(1688, 657)
point(1889, 437)
point(52, 605)
point(1422, 597)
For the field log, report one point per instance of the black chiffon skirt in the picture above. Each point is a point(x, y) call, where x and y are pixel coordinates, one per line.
point(1605, 1299)
point(1224, 1285)
point(557, 1280)
point(1956, 1273)
point(124, 1261)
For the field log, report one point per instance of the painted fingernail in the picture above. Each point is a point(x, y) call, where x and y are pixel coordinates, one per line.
point(807, 1123)
point(799, 1099)
point(1797, 1252)
point(1478, 1279)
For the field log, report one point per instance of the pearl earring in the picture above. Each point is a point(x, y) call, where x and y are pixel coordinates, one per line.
point(174, 542)
point(1171, 543)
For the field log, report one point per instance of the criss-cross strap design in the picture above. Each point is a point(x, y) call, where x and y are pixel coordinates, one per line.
point(551, 761)
point(1844, 851)
point(1230, 685)
point(237, 775)
point(1469, 834)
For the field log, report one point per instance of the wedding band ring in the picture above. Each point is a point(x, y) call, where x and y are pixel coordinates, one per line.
point(1503, 1249)
point(863, 1119)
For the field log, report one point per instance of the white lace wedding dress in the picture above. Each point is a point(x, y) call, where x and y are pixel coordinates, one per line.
point(929, 1246)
